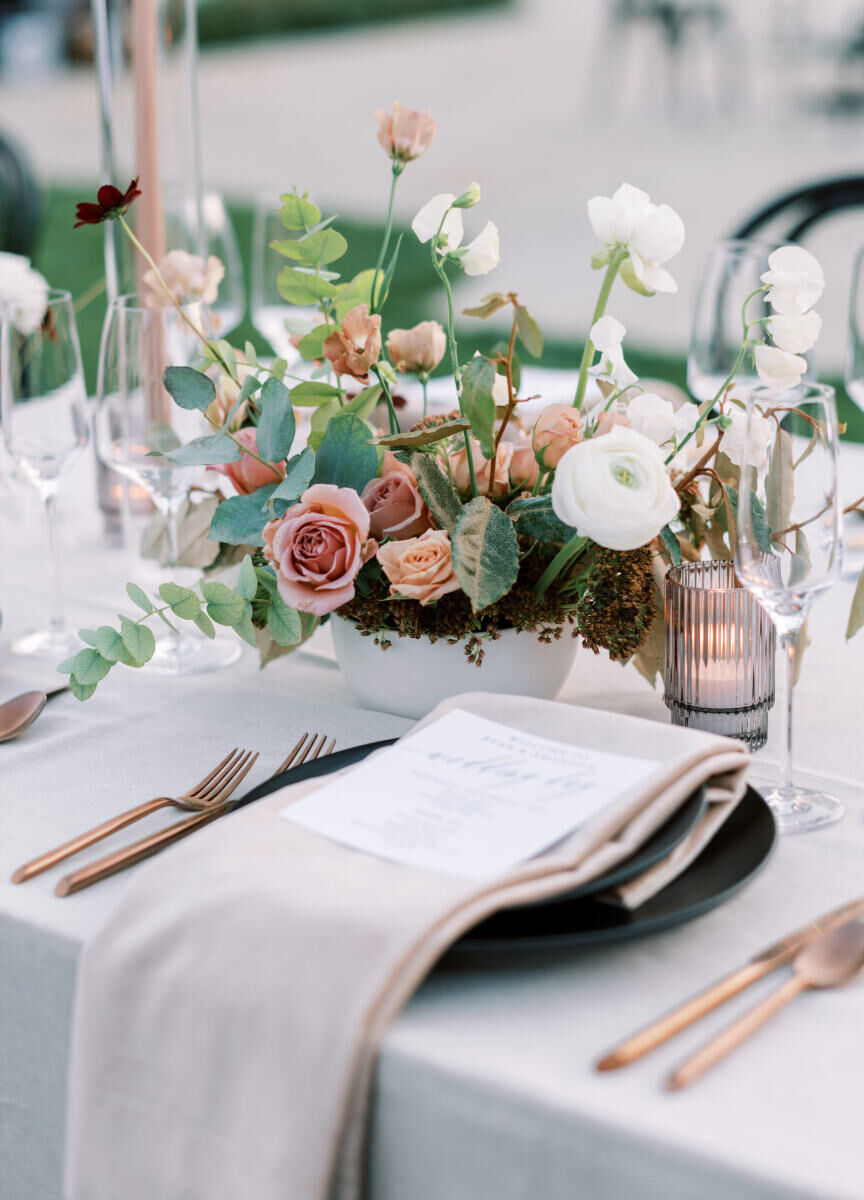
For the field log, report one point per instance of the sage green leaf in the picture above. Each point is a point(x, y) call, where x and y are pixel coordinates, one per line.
point(345, 457)
point(758, 521)
point(485, 552)
point(205, 625)
point(323, 246)
point(487, 307)
point(229, 356)
point(529, 331)
point(88, 636)
point(224, 605)
point(536, 518)
point(89, 666)
point(311, 346)
point(364, 403)
point(81, 691)
point(206, 451)
point(240, 520)
point(856, 613)
point(138, 596)
point(182, 600)
point(673, 546)
point(189, 388)
point(441, 497)
point(780, 482)
point(422, 437)
point(138, 640)
point(276, 426)
point(65, 667)
point(250, 354)
point(244, 627)
point(110, 644)
point(311, 393)
point(301, 287)
point(298, 475)
point(298, 212)
point(283, 623)
point(321, 418)
point(801, 565)
point(357, 291)
point(247, 581)
point(477, 403)
point(278, 367)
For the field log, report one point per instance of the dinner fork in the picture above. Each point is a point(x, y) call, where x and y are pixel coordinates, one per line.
point(302, 752)
point(209, 792)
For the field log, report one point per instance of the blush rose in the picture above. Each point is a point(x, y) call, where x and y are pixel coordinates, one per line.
point(420, 568)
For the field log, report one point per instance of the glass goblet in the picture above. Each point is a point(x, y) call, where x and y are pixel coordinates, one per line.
point(218, 238)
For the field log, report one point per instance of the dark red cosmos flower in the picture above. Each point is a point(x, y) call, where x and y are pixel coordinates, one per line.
point(111, 203)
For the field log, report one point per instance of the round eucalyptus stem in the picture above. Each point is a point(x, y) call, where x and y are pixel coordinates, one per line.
point(614, 266)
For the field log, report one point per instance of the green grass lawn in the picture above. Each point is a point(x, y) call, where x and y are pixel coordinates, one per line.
point(74, 260)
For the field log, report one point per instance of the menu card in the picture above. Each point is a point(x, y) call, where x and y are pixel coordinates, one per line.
point(467, 797)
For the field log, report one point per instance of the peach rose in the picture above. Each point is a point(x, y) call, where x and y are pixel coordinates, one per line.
point(391, 463)
point(248, 474)
point(406, 133)
point(524, 468)
point(420, 568)
point(395, 506)
point(482, 468)
point(607, 421)
point(558, 427)
point(418, 350)
point(318, 547)
point(355, 347)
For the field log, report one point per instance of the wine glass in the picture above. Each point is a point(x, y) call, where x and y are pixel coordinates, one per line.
point(731, 273)
point(218, 238)
point(269, 310)
point(803, 509)
point(854, 380)
point(135, 415)
point(46, 427)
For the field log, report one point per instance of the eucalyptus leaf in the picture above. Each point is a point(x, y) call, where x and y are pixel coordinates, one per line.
point(311, 345)
point(81, 691)
point(323, 246)
point(138, 640)
point(299, 287)
point(182, 601)
point(247, 580)
point(311, 393)
point(780, 482)
point(284, 623)
point(138, 596)
point(206, 451)
point(345, 457)
point(477, 403)
point(364, 403)
point(240, 520)
point(440, 496)
point(205, 625)
point(89, 666)
point(485, 552)
point(110, 644)
point(298, 212)
point(357, 291)
point(188, 388)
point(276, 427)
point(224, 605)
point(298, 475)
point(244, 627)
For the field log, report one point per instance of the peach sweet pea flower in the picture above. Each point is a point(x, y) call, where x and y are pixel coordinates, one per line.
point(558, 427)
point(406, 133)
point(248, 474)
point(607, 421)
point(188, 276)
point(355, 347)
point(396, 508)
point(420, 568)
point(524, 467)
point(318, 547)
point(418, 350)
point(482, 468)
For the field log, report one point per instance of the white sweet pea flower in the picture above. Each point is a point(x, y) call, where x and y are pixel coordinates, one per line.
point(481, 256)
point(778, 369)
point(795, 280)
point(651, 233)
point(428, 219)
point(25, 290)
point(607, 335)
point(797, 332)
point(747, 447)
point(615, 490)
point(652, 416)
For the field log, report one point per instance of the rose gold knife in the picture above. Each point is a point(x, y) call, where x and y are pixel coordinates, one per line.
point(758, 967)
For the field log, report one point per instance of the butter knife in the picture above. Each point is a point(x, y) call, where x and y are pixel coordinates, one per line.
point(758, 967)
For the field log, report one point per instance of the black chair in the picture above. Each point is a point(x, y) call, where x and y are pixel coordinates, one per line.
point(792, 215)
point(20, 201)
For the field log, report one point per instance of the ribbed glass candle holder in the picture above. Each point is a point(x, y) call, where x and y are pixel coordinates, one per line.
point(719, 672)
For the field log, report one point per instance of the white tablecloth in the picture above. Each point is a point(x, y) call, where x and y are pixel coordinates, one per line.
point(485, 1088)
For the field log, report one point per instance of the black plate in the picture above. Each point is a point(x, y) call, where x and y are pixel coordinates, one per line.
point(733, 857)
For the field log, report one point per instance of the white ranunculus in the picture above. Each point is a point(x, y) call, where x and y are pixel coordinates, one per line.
point(797, 332)
point(795, 280)
point(481, 256)
point(746, 441)
point(652, 416)
point(651, 233)
point(615, 490)
point(25, 290)
point(778, 369)
point(429, 218)
point(607, 335)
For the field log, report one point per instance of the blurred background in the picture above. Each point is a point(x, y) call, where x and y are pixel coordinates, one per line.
point(713, 106)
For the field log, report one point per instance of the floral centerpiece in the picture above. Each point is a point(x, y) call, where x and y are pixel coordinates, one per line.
point(472, 521)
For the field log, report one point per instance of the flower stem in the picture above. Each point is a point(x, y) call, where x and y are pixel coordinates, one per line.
point(599, 309)
point(566, 554)
point(438, 267)
point(385, 387)
point(388, 229)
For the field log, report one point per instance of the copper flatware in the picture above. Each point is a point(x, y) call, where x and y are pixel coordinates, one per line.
point(304, 750)
point(828, 961)
point(211, 790)
point(20, 712)
point(758, 967)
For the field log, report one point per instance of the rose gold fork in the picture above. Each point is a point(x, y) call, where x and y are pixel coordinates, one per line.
point(112, 863)
point(212, 790)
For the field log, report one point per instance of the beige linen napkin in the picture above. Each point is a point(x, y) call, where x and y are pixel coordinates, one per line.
point(229, 1014)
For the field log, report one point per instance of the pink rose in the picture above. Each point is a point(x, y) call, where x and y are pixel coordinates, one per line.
point(248, 474)
point(355, 347)
point(607, 421)
point(318, 547)
point(396, 508)
point(524, 468)
point(418, 350)
point(558, 427)
point(406, 133)
point(420, 568)
point(482, 468)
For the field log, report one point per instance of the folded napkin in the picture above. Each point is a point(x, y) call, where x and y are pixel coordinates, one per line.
point(229, 1014)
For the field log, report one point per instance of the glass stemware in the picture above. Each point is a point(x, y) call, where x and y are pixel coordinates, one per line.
point(218, 238)
point(731, 273)
point(46, 427)
point(269, 311)
point(802, 508)
point(134, 416)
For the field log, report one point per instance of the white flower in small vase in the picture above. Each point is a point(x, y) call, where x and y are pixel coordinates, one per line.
point(25, 290)
point(428, 221)
point(607, 335)
point(481, 256)
point(778, 369)
point(615, 489)
point(795, 280)
point(650, 233)
point(796, 333)
point(746, 443)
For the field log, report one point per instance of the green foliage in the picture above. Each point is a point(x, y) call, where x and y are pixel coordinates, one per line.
point(345, 457)
point(780, 482)
point(856, 616)
point(298, 475)
point(239, 520)
point(299, 286)
point(276, 426)
point(477, 403)
point(311, 346)
point(206, 451)
point(138, 640)
point(356, 291)
point(189, 388)
point(315, 249)
point(224, 605)
point(485, 552)
point(298, 212)
point(138, 596)
point(422, 437)
point(440, 496)
point(181, 600)
point(312, 393)
point(536, 518)
point(758, 520)
point(673, 546)
point(488, 306)
point(529, 332)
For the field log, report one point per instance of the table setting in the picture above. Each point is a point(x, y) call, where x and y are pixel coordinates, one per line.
point(410, 805)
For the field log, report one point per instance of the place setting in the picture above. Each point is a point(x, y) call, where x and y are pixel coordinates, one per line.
point(412, 691)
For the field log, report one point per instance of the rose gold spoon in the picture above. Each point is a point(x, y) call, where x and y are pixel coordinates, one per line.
point(828, 961)
point(20, 712)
